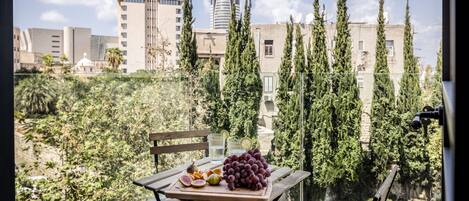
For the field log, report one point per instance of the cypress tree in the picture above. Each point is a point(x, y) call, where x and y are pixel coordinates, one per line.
point(280, 143)
point(230, 70)
point(319, 119)
point(413, 155)
point(210, 82)
point(188, 59)
point(245, 83)
point(347, 104)
point(384, 136)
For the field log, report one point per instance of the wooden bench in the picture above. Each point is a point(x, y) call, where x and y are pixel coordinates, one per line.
point(385, 187)
point(157, 150)
point(282, 178)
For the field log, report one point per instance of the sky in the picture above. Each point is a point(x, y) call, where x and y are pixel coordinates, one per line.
point(100, 16)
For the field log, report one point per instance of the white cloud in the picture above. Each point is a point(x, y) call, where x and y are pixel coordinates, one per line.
point(105, 9)
point(53, 16)
point(278, 10)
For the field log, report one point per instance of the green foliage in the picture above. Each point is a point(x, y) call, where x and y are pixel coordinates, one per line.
point(230, 71)
point(384, 134)
point(280, 143)
point(188, 59)
point(36, 95)
point(347, 105)
point(66, 67)
point(210, 82)
point(101, 134)
point(414, 161)
point(48, 62)
point(243, 86)
point(114, 58)
point(320, 113)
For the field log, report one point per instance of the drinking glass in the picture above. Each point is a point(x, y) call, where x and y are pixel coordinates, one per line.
point(216, 147)
point(235, 147)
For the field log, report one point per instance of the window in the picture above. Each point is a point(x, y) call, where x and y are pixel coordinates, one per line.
point(361, 46)
point(178, 28)
point(360, 81)
point(124, 26)
point(55, 36)
point(269, 48)
point(56, 41)
point(124, 43)
point(124, 34)
point(124, 52)
point(55, 46)
point(178, 36)
point(56, 52)
point(390, 47)
point(178, 19)
point(124, 17)
point(268, 84)
point(178, 11)
point(124, 8)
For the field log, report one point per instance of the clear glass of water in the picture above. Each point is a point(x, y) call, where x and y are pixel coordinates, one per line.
point(216, 147)
point(235, 147)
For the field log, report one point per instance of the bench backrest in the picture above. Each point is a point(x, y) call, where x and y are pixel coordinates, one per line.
point(157, 150)
point(385, 187)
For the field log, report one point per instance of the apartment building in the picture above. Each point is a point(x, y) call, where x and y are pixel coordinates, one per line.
point(149, 33)
point(270, 40)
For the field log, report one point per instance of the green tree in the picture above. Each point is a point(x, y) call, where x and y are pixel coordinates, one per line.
point(210, 81)
point(188, 59)
point(231, 68)
point(48, 62)
point(413, 154)
point(36, 95)
point(347, 105)
point(114, 58)
point(320, 113)
point(66, 67)
point(280, 143)
point(244, 111)
point(384, 135)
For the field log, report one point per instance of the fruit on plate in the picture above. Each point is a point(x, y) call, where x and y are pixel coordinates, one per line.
point(185, 180)
point(192, 168)
point(214, 179)
point(197, 175)
point(198, 183)
point(214, 171)
point(217, 171)
point(249, 170)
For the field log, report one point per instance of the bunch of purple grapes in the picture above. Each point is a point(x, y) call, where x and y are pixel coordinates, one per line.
point(249, 170)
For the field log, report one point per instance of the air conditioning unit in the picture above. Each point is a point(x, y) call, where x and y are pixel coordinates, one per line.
point(268, 98)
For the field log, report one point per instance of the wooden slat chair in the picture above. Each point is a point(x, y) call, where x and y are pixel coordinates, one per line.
point(157, 150)
point(383, 191)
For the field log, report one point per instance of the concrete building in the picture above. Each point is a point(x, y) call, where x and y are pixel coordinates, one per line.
point(77, 41)
point(72, 42)
point(43, 41)
point(16, 48)
point(270, 39)
point(149, 32)
point(220, 13)
point(99, 45)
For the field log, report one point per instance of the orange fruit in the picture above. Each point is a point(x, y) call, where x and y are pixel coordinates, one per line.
point(217, 171)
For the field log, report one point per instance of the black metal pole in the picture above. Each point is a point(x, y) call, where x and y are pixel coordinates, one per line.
point(7, 156)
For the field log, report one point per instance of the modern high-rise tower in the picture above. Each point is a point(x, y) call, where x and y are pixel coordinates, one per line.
point(220, 13)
